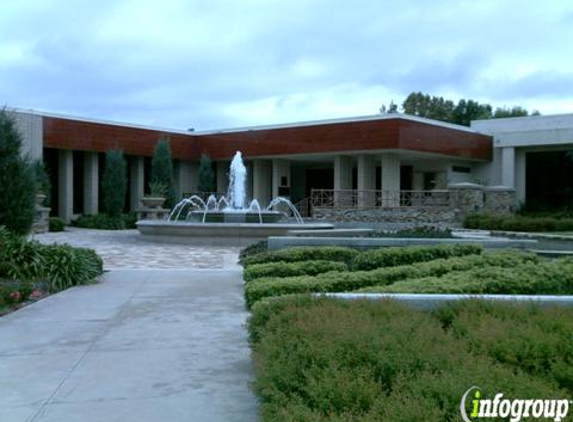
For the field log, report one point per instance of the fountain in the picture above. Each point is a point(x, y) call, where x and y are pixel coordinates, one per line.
point(229, 219)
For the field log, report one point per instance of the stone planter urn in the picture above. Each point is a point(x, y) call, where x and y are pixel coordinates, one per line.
point(152, 202)
point(40, 198)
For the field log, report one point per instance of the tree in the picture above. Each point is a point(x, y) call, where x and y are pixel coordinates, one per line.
point(462, 113)
point(516, 111)
point(114, 183)
point(162, 170)
point(206, 174)
point(17, 180)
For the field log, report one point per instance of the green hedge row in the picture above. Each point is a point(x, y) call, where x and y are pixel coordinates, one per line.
point(554, 277)
point(62, 266)
point(517, 223)
point(365, 361)
point(395, 256)
point(348, 281)
point(291, 269)
point(106, 222)
point(303, 253)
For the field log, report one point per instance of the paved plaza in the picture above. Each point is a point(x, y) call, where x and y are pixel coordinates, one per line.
point(128, 249)
point(142, 345)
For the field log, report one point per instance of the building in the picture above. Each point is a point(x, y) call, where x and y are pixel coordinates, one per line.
point(382, 153)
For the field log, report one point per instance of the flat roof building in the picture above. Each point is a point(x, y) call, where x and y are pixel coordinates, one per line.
point(385, 153)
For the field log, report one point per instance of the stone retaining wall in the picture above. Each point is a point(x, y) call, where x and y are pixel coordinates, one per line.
point(427, 215)
point(464, 198)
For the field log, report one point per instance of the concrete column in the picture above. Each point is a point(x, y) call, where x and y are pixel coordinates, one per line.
point(66, 184)
point(342, 172)
point(281, 174)
point(366, 181)
point(520, 178)
point(343, 180)
point(222, 176)
point(262, 175)
point(184, 178)
point(91, 182)
point(508, 167)
point(136, 182)
point(390, 177)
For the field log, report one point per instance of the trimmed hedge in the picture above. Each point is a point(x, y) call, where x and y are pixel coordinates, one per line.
point(253, 249)
point(555, 277)
point(517, 223)
point(106, 222)
point(303, 253)
point(291, 269)
point(365, 361)
point(348, 281)
point(394, 256)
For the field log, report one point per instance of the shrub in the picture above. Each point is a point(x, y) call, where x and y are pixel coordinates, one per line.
point(391, 257)
point(349, 281)
point(289, 269)
point(539, 342)
point(114, 183)
point(253, 249)
point(554, 277)
point(56, 224)
point(416, 232)
point(17, 180)
point(303, 253)
point(61, 266)
point(206, 174)
point(517, 223)
point(162, 170)
point(68, 266)
point(106, 222)
point(332, 360)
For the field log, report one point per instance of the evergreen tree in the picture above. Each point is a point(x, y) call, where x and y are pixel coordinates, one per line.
point(17, 180)
point(162, 170)
point(114, 183)
point(206, 174)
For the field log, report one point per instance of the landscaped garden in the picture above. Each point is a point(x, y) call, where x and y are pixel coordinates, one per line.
point(30, 270)
point(328, 359)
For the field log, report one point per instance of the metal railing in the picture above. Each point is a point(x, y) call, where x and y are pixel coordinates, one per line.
point(351, 198)
point(303, 207)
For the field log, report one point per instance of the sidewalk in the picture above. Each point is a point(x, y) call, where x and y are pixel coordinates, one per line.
point(142, 345)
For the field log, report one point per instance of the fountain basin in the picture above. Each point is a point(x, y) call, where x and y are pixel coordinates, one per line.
point(217, 234)
point(217, 216)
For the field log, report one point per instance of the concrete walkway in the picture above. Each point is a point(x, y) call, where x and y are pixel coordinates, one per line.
point(141, 346)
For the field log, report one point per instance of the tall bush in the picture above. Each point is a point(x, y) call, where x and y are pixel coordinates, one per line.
point(114, 183)
point(206, 174)
point(17, 180)
point(162, 170)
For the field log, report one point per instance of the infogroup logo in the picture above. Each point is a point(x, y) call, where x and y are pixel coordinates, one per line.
point(514, 409)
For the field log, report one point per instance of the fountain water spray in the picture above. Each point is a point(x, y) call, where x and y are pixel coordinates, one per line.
point(234, 203)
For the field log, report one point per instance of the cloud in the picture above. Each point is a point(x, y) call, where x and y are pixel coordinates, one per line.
point(214, 64)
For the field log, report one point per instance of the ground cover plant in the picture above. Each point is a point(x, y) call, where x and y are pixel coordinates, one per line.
point(331, 360)
point(30, 270)
point(519, 223)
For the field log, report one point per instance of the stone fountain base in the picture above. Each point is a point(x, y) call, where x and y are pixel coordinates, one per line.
point(217, 234)
point(237, 217)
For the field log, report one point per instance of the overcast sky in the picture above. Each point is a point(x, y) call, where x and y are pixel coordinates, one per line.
point(214, 64)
